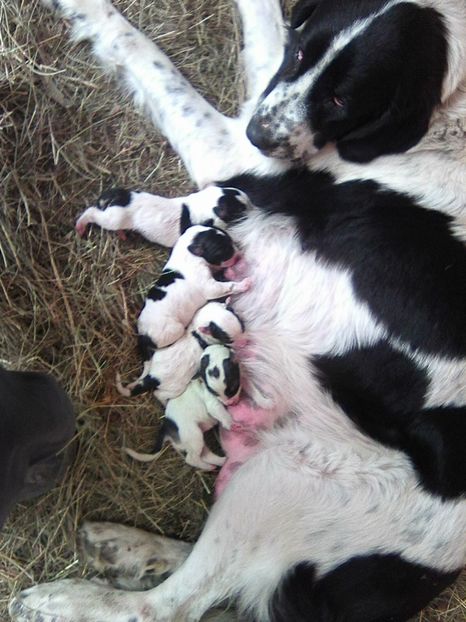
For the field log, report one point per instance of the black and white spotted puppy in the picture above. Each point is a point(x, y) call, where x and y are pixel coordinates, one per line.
point(185, 285)
point(221, 373)
point(199, 409)
point(170, 369)
point(161, 220)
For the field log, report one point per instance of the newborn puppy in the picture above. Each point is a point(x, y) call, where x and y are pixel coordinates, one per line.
point(162, 220)
point(169, 370)
point(185, 285)
point(199, 409)
point(221, 374)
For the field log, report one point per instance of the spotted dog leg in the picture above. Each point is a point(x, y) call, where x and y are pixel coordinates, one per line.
point(130, 558)
point(211, 145)
point(162, 220)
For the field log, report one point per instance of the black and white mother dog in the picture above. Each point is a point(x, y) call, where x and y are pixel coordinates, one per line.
point(353, 508)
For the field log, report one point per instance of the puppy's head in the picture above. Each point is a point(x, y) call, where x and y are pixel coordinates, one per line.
point(213, 245)
point(218, 323)
point(363, 75)
point(221, 373)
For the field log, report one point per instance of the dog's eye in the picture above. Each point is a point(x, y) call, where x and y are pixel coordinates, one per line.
point(338, 101)
point(299, 55)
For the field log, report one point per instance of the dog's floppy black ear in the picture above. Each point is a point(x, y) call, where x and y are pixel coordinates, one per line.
point(396, 131)
point(301, 11)
point(419, 60)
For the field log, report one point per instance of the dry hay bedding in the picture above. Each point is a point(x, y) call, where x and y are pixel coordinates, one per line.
point(67, 305)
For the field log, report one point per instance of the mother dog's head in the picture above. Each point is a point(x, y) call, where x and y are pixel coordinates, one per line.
point(363, 74)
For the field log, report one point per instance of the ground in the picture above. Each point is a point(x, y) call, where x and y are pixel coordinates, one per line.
point(68, 305)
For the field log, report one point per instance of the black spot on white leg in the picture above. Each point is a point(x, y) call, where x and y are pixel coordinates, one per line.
point(114, 196)
point(185, 220)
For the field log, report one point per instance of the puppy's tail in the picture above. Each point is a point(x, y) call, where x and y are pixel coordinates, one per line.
point(168, 432)
point(142, 385)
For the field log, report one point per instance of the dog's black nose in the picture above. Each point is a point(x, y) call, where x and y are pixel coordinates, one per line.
point(260, 135)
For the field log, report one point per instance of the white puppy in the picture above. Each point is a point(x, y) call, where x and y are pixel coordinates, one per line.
point(185, 285)
point(170, 369)
point(161, 220)
point(199, 409)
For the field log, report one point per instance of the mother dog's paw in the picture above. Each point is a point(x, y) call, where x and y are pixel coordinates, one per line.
point(76, 600)
point(130, 558)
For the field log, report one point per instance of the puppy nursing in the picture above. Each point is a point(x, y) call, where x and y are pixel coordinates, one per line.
point(169, 370)
point(186, 284)
point(200, 408)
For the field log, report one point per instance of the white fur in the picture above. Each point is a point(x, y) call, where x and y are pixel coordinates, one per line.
point(175, 365)
point(318, 489)
point(164, 321)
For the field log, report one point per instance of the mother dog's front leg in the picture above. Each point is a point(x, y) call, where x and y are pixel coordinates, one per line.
point(230, 560)
point(211, 145)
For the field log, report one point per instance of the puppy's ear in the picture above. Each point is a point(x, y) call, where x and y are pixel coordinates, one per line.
point(205, 330)
point(196, 249)
point(205, 362)
point(413, 40)
point(301, 11)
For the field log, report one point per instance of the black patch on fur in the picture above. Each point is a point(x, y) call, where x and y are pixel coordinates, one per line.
point(372, 588)
point(208, 223)
point(155, 293)
point(185, 219)
point(229, 207)
point(214, 372)
point(202, 342)
point(114, 196)
point(219, 334)
point(146, 347)
point(232, 376)
point(404, 261)
point(204, 364)
point(383, 392)
point(214, 245)
point(168, 430)
point(148, 383)
point(168, 277)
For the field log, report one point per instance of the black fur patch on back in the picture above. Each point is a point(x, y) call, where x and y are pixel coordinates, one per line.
point(114, 196)
point(383, 392)
point(146, 347)
point(372, 588)
point(168, 277)
point(155, 293)
point(185, 219)
point(404, 261)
